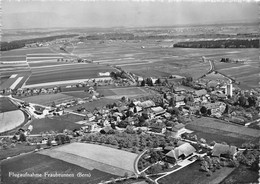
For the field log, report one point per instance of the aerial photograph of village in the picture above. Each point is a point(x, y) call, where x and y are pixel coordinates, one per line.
point(129, 92)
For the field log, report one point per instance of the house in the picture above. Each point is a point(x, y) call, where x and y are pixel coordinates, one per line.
point(167, 115)
point(90, 127)
point(179, 90)
point(104, 74)
point(178, 130)
point(200, 93)
point(158, 128)
point(138, 109)
point(106, 129)
point(158, 111)
point(222, 150)
point(179, 100)
point(122, 108)
point(90, 117)
point(117, 114)
point(167, 149)
point(147, 104)
point(180, 152)
point(237, 120)
point(137, 103)
point(216, 108)
point(213, 84)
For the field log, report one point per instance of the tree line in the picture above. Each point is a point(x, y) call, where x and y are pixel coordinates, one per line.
point(237, 43)
point(130, 36)
point(16, 44)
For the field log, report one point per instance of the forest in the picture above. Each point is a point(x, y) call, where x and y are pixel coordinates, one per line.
point(234, 43)
point(5, 46)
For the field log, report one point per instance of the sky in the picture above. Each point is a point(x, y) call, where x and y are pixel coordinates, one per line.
point(71, 13)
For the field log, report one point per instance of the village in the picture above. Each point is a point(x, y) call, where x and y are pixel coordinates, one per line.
point(155, 125)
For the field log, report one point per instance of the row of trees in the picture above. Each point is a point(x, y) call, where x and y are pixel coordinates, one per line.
point(130, 36)
point(129, 140)
point(236, 43)
point(211, 164)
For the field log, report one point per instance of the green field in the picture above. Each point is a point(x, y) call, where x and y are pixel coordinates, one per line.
point(7, 105)
point(90, 106)
point(55, 124)
point(11, 119)
point(39, 164)
point(242, 174)
point(47, 99)
point(128, 91)
point(192, 174)
point(77, 94)
point(18, 149)
point(151, 61)
point(25, 51)
point(91, 156)
point(220, 131)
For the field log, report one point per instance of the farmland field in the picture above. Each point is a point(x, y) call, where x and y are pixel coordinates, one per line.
point(24, 51)
point(144, 58)
point(10, 120)
point(215, 130)
point(13, 58)
point(90, 106)
point(18, 149)
point(7, 105)
point(192, 174)
point(221, 125)
point(38, 163)
point(220, 136)
point(77, 94)
point(128, 91)
point(66, 72)
point(47, 99)
point(106, 159)
point(242, 174)
point(55, 124)
point(156, 61)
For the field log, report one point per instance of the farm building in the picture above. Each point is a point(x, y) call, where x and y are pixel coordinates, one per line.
point(179, 100)
point(90, 127)
point(180, 152)
point(178, 129)
point(90, 117)
point(200, 93)
point(158, 128)
point(104, 74)
point(179, 90)
point(216, 109)
point(223, 150)
point(147, 104)
point(157, 111)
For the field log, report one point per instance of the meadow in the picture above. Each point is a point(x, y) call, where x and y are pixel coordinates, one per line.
point(47, 99)
point(66, 72)
point(192, 174)
point(92, 156)
point(147, 58)
point(150, 59)
point(7, 105)
point(39, 163)
point(55, 123)
point(11, 119)
point(25, 51)
point(217, 130)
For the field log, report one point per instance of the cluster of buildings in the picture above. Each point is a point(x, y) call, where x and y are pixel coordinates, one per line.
point(152, 116)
